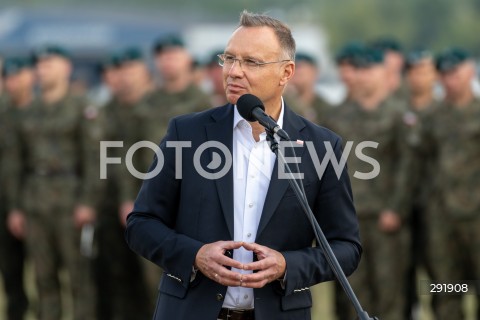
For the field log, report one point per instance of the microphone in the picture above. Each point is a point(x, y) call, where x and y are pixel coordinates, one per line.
point(251, 109)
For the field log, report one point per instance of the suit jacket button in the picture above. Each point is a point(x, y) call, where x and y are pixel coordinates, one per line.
point(219, 297)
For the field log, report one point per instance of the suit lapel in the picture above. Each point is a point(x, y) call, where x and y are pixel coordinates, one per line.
point(221, 130)
point(292, 124)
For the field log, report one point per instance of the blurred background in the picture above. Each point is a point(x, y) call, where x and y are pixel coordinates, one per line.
point(93, 29)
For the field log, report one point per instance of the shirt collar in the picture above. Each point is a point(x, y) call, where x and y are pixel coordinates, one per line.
point(237, 118)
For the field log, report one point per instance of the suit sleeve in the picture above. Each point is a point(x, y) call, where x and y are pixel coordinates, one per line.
point(335, 213)
point(150, 227)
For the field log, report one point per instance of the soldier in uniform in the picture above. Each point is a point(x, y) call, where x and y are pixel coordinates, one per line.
point(134, 102)
point(451, 135)
point(421, 77)
point(346, 67)
point(215, 80)
point(177, 93)
point(394, 63)
point(302, 98)
point(128, 114)
point(57, 154)
point(373, 117)
point(119, 295)
point(346, 59)
point(19, 79)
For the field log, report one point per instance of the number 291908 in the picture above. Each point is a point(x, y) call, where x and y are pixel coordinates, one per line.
point(454, 287)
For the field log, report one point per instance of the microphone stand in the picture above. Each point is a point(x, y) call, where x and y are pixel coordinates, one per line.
point(321, 239)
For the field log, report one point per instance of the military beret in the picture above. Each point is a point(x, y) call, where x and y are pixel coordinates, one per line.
point(168, 41)
point(416, 56)
point(387, 44)
point(349, 52)
point(127, 55)
point(450, 59)
point(50, 50)
point(111, 61)
point(368, 57)
point(14, 65)
point(305, 57)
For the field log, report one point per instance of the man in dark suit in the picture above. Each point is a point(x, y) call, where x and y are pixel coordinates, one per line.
point(235, 244)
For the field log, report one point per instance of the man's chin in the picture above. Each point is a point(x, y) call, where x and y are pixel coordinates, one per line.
point(233, 98)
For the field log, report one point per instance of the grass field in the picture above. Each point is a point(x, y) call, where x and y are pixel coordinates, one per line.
point(323, 308)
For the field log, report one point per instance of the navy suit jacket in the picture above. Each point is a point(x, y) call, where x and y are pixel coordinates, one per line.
point(173, 218)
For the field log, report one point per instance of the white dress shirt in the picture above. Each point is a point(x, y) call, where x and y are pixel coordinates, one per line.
point(252, 169)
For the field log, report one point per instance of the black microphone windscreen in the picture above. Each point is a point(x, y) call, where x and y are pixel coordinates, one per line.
point(245, 105)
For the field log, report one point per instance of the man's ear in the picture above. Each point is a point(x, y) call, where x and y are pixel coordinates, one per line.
point(288, 72)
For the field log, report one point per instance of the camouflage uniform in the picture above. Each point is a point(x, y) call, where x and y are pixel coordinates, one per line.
point(452, 137)
point(316, 112)
point(57, 148)
point(378, 281)
point(12, 253)
point(125, 294)
point(416, 178)
point(167, 105)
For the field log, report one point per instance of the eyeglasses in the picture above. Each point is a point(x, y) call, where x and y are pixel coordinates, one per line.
point(227, 61)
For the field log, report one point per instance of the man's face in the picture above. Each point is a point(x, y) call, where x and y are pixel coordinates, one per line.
point(172, 62)
point(18, 83)
point(133, 75)
point(133, 72)
point(458, 81)
point(215, 74)
point(266, 82)
point(112, 78)
point(394, 61)
point(371, 79)
point(52, 70)
point(306, 75)
point(422, 76)
point(348, 75)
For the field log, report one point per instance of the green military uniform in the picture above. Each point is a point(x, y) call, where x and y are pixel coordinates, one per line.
point(388, 44)
point(316, 112)
point(415, 179)
point(57, 147)
point(129, 123)
point(12, 252)
point(378, 280)
point(452, 137)
point(317, 109)
point(416, 176)
point(450, 141)
point(166, 105)
point(123, 295)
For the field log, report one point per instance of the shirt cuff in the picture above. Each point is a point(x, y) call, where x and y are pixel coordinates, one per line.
point(194, 273)
point(283, 280)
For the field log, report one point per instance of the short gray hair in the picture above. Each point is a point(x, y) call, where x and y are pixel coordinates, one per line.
point(282, 31)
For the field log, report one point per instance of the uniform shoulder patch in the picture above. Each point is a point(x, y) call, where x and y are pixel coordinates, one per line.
point(410, 118)
point(90, 112)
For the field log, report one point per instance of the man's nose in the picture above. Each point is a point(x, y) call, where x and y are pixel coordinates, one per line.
point(236, 69)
